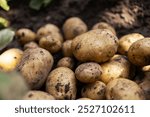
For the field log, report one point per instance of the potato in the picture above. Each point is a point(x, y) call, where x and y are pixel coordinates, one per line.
point(66, 62)
point(50, 43)
point(38, 95)
point(83, 99)
point(96, 45)
point(35, 66)
point(123, 89)
point(139, 52)
point(104, 25)
point(95, 91)
point(30, 45)
point(25, 35)
point(61, 83)
point(10, 59)
point(88, 72)
point(118, 66)
point(49, 29)
point(73, 27)
point(126, 41)
point(145, 85)
point(66, 48)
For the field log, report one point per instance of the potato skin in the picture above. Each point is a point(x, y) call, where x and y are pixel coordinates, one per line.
point(118, 66)
point(10, 59)
point(61, 83)
point(66, 48)
point(104, 25)
point(123, 89)
point(50, 43)
point(35, 66)
point(139, 52)
point(73, 27)
point(83, 99)
point(31, 44)
point(25, 35)
point(88, 72)
point(95, 91)
point(126, 41)
point(96, 45)
point(66, 62)
point(49, 29)
point(38, 95)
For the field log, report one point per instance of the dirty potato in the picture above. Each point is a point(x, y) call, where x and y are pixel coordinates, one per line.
point(118, 66)
point(88, 72)
point(95, 91)
point(61, 83)
point(30, 45)
point(73, 27)
point(35, 66)
point(10, 59)
point(104, 25)
point(25, 35)
point(66, 62)
point(96, 45)
point(66, 48)
point(139, 52)
point(38, 95)
point(126, 41)
point(123, 89)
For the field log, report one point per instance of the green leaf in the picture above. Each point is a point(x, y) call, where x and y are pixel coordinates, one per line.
point(4, 22)
point(4, 5)
point(37, 4)
point(6, 36)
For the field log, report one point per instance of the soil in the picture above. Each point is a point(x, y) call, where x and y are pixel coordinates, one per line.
point(126, 16)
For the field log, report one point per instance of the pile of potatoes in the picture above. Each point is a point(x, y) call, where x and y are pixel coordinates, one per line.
point(81, 64)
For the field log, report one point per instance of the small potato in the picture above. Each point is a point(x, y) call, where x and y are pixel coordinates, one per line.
point(49, 29)
point(139, 52)
point(118, 66)
point(104, 25)
point(25, 35)
point(83, 99)
point(66, 48)
point(38, 95)
point(61, 83)
point(50, 43)
point(88, 72)
point(126, 41)
point(123, 89)
point(73, 27)
point(145, 85)
point(10, 59)
point(96, 45)
point(95, 91)
point(66, 62)
point(35, 65)
point(30, 45)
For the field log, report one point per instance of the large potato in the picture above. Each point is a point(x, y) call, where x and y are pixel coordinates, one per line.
point(104, 25)
point(10, 59)
point(126, 41)
point(61, 83)
point(35, 66)
point(38, 95)
point(139, 52)
point(73, 27)
point(123, 89)
point(118, 66)
point(88, 72)
point(96, 45)
point(95, 91)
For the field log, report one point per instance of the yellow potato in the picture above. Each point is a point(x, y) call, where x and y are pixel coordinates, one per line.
point(10, 59)
point(66, 48)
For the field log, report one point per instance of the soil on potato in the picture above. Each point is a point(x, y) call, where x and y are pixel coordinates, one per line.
point(126, 16)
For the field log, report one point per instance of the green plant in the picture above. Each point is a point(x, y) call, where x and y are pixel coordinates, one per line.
point(4, 5)
point(37, 4)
